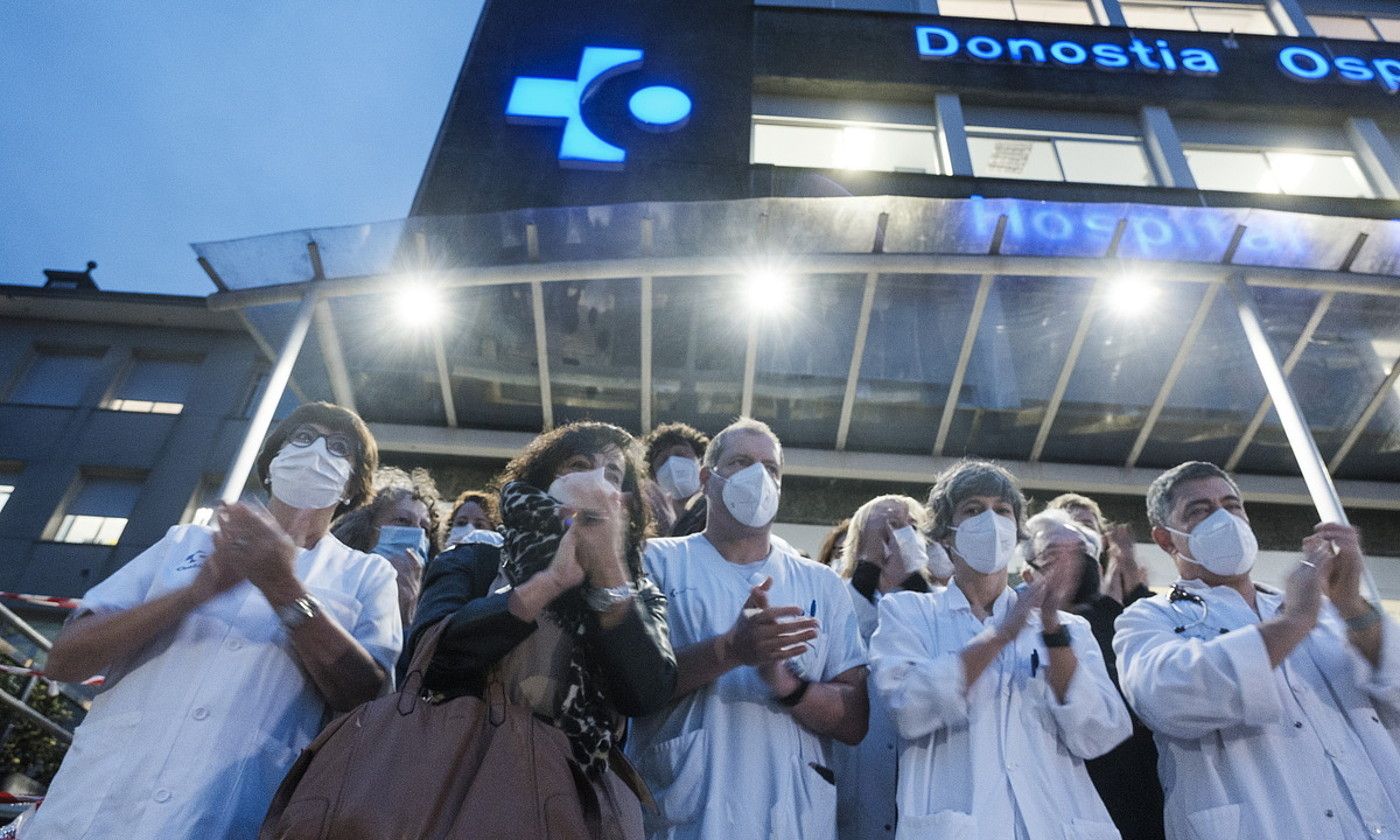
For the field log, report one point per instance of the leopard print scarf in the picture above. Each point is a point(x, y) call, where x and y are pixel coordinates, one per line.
point(532, 530)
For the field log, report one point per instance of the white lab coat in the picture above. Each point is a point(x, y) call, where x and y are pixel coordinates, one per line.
point(191, 737)
point(726, 762)
point(1308, 749)
point(865, 773)
point(1001, 759)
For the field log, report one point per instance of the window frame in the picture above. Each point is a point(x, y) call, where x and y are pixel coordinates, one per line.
point(977, 131)
point(1264, 152)
point(834, 123)
point(1190, 7)
point(63, 519)
point(38, 351)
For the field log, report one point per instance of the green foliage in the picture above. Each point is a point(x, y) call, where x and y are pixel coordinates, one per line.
point(28, 749)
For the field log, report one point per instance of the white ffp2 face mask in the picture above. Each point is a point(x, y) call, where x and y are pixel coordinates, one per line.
point(751, 495)
point(912, 549)
point(679, 477)
point(309, 477)
point(939, 564)
point(986, 541)
point(1222, 543)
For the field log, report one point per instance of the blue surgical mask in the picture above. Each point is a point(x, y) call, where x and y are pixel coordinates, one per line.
point(394, 539)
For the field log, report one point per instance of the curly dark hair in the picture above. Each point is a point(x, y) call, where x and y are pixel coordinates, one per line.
point(359, 529)
point(667, 435)
point(538, 464)
point(337, 418)
point(487, 502)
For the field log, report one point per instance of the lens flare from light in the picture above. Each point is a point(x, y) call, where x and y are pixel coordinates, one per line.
point(417, 305)
point(1130, 296)
point(767, 291)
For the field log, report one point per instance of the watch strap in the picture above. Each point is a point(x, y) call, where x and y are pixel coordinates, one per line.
point(1057, 638)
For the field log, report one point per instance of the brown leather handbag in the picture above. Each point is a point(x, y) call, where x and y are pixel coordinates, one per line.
point(402, 766)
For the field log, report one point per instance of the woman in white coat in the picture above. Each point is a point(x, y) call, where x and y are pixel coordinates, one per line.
point(225, 649)
point(998, 698)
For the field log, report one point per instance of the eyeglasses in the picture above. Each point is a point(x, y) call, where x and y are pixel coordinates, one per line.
point(338, 445)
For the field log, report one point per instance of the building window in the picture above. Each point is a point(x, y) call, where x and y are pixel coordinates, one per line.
point(1045, 11)
point(154, 386)
point(1356, 28)
point(843, 144)
point(1241, 18)
point(57, 376)
point(1287, 171)
point(1058, 156)
point(99, 511)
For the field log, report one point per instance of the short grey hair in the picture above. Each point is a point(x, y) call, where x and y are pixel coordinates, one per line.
point(1049, 521)
point(1160, 496)
point(744, 425)
point(972, 477)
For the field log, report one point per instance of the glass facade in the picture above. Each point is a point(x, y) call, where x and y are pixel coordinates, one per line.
point(1240, 18)
point(1356, 27)
point(1045, 11)
point(1287, 171)
point(1060, 156)
point(838, 144)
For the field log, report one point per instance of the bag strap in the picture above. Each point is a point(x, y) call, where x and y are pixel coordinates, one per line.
point(422, 657)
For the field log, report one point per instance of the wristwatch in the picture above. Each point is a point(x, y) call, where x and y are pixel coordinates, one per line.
point(604, 599)
point(1057, 638)
point(298, 612)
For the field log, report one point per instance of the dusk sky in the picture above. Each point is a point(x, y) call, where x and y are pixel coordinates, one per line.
point(129, 131)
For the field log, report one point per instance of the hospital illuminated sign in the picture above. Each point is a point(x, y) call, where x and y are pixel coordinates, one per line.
point(1146, 55)
point(1132, 55)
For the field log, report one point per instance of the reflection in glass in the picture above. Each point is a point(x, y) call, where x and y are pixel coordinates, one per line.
point(1024, 338)
point(699, 329)
point(490, 345)
point(837, 144)
point(804, 357)
point(1120, 370)
point(594, 333)
point(911, 349)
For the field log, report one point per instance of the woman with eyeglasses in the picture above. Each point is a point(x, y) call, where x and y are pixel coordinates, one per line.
point(563, 618)
point(225, 648)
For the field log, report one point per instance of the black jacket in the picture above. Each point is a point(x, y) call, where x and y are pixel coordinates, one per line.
point(634, 659)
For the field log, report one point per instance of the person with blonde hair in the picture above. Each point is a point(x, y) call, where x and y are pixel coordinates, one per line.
point(885, 552)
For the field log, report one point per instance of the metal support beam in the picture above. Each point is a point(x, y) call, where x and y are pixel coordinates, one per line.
point(848, 400)
point(1319, 312)
point(276, 385)
point(1364, 420)
point(444, 374)
point(904, 263)
point(1076, 344)
point(542, 354)
point(267, 350)
point(645, 385)
point(1183, 352)
point(1315, 475)
point(329, 338)
point(750, 366)
point(974, 323)
point(1081, 334)
point(896, 468)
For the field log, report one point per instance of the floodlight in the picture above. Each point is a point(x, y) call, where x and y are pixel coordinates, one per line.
point(1130, 295)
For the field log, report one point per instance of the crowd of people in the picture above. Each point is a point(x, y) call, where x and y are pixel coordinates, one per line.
point(952, 667)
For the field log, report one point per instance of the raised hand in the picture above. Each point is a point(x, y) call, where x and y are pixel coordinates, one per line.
point(255, 543)
point(766, 635)
point(1341, 546)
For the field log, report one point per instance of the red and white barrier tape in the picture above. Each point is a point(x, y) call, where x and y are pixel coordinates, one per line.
point(43, 600)
point(31, 672)
point(18, 799)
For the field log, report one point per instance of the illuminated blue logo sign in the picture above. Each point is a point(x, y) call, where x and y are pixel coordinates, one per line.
point(540, 101)
point(1309, 65)
point(1135, 55)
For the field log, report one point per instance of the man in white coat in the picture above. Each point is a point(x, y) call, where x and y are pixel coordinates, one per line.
point(771, 666)
point(1276, 714)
